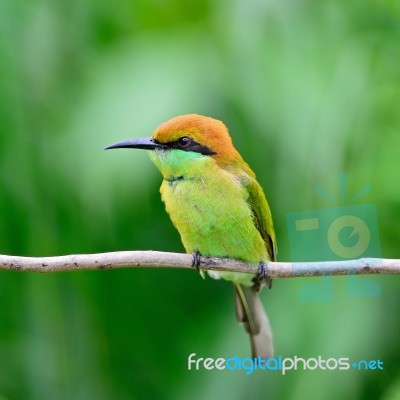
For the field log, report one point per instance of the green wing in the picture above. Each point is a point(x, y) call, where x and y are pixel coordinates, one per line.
point(262, 214)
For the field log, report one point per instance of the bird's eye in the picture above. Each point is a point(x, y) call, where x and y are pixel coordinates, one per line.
point(184, 142)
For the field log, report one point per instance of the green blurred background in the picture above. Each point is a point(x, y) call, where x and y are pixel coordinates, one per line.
point(309, 90)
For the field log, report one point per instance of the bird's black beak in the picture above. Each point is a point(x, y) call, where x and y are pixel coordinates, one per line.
point(139, 143)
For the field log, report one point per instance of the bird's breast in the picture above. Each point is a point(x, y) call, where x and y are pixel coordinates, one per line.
point(213, 216)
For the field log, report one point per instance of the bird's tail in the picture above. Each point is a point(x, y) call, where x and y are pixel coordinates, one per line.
point(250, 312)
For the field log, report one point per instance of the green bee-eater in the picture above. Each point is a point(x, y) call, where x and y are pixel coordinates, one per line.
point(220, 210)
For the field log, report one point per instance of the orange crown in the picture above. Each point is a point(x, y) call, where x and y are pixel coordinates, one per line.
point(206, 131)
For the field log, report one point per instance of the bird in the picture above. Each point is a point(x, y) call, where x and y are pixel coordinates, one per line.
point(218, 207)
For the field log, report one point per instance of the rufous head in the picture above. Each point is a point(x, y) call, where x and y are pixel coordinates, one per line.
point(193, 132)
point(190, 133)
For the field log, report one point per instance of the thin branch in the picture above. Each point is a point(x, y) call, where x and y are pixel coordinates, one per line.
point(156, 259)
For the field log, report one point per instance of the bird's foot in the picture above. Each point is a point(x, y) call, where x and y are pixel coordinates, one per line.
point(262, 277)
point(196, 260)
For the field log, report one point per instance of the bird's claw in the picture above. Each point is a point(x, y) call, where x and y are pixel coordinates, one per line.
point(262, 277)
point(196, 260)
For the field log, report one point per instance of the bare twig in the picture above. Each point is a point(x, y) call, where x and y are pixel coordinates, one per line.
point(156, 259)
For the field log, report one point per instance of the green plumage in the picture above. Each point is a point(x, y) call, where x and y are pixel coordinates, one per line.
point(214, 210)
point(218, 207)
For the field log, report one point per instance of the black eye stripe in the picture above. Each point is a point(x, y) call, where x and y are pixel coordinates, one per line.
point(185, 143)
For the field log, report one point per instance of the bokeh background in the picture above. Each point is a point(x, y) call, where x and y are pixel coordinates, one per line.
point(308, 89)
